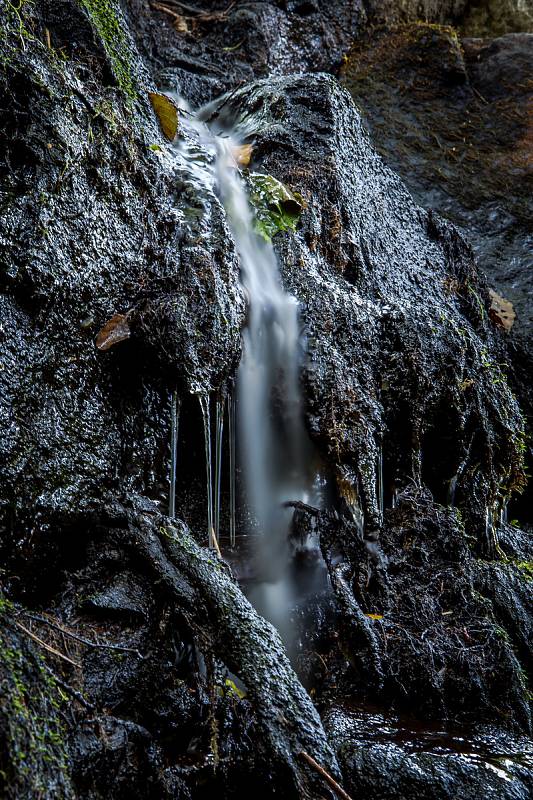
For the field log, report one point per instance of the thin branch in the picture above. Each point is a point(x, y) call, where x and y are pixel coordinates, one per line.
point(337, 788)
point(88, 642)
point(206, 16)
point(46, 646)
point(215, 542)
point(166, 10)
point(70, 690)
point(297, 504)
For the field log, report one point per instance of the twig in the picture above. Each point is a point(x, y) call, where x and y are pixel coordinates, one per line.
point(166, 10)
point(480, 95)
point(337, 788)
point(46, 646)
point(88, 642)
point(206, 16)
point(215, 542)
point(70, 690)
point(314, 512)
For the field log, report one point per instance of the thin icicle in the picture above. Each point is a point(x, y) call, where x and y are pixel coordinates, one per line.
point(219, 431)
point(451, 490)
point(502, 509)
point(204, 405)
point(175, 407)
point(379, 482)
point(231, 436)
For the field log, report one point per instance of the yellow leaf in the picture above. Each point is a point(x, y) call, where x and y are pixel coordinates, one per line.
point(167, 113)
point(231, 687)
point(501, 310)
point(374, 616)
point(242, 154)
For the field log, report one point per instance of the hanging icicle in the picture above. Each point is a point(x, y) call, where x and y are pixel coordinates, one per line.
point(204, 405)
point(379, 482)
point(175, 406)
point(219, 431)
point(232, 466)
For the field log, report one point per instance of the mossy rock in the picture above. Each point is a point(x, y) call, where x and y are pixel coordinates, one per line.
point(276, 207)
point(107, 22)
point(33, 755)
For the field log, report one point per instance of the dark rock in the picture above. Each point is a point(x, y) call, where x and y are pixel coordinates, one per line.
point(387, 757)
point(112, 758)
point(452, 117)
point(126, 597)
point(34, 759)
point(404, 371)
point(393, 309)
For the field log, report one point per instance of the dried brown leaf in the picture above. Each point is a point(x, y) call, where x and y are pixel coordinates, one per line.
point(114, 331)
point(501, 310)
point(180, 24)
point(167, 113)
point(242, 154)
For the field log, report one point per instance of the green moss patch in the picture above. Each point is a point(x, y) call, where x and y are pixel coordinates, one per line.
point(108, 26)
point(33, 756)
point(276, 207)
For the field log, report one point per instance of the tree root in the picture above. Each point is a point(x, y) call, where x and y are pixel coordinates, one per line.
point(225, 624)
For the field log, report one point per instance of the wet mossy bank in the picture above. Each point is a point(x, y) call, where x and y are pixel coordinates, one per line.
point(408, 391)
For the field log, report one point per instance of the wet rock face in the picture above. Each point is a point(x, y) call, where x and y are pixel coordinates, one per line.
point(453, 117)
point(33, 749)
point(392, 308)
point(390, 757)
point(403, 368)
point(94, 222)
point(424, 626)
point(488, 18)
point(221, 46)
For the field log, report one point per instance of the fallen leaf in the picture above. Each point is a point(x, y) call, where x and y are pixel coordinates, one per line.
point(233, 47)
point(231, 687)
point(180, 24)
point(114, 331)
point(374, 616)
point(167, 113)
point(242, 154)
point(501, 310)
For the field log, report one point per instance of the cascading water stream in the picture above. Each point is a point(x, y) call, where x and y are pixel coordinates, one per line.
point(275, 452)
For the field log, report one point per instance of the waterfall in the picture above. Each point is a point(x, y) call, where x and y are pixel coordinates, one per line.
point(269, 406)
point(274, 451)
